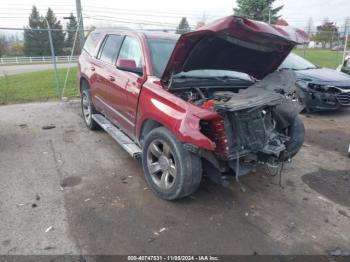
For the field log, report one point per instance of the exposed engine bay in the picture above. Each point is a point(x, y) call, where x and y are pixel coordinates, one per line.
point(257, 121)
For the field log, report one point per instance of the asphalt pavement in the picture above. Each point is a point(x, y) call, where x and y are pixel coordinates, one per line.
point(69, 190)
point(19, 69)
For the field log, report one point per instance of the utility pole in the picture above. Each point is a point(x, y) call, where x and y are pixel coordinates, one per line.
point(346, 43)
point(53, 59)
point(80, 24)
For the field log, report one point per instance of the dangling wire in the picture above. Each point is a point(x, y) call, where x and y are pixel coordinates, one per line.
point(237, 174)
point(280, 175)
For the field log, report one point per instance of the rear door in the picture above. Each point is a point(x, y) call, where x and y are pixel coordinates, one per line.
point(87, 61)
point(111, 92)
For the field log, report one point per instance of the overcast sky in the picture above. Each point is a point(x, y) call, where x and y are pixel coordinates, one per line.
point(149, 13)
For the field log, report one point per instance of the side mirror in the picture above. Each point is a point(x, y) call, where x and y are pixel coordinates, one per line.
point(129, 65)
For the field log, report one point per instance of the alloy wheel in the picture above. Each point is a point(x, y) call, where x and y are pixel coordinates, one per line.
point(161, 164)
point(86, 109)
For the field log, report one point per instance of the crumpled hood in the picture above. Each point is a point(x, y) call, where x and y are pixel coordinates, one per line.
point(236, 44)
point(324, 76)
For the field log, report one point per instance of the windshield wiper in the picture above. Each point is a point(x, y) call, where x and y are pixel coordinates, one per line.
point(286, 68)
point(229, 77)
point(190, 77)
point(306, 68)
point(220, 78)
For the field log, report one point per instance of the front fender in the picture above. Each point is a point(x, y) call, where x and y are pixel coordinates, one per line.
point(177, 115)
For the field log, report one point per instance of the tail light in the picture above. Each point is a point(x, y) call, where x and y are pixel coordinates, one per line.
point(215, 130)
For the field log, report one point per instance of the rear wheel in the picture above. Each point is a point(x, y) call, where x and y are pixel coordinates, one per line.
point(171, 171)
point(88, 109)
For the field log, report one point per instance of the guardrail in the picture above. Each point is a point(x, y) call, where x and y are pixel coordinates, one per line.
point(36, 60)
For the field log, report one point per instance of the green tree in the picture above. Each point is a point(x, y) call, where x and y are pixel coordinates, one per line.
point(327, 33)
point(3, 45)
point(183, 26)
point(260, 10)
point(71, 26)
point(16, 49)
point(33, 40)
point(57, 34)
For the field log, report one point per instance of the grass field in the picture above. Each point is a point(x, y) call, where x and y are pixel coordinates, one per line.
point(41, 85)
point(322, 57)
point(36, 86)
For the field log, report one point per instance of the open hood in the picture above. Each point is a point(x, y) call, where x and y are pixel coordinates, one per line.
point(236, 44)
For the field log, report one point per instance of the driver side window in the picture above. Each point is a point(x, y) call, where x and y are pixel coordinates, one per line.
point(131, 49)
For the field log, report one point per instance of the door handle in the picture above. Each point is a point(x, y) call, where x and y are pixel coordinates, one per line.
point(111, 78)
point(92, 68)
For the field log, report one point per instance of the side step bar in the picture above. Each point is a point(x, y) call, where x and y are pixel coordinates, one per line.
point(123, 140)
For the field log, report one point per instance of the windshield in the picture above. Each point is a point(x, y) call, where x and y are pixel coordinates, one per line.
point(296, 62)
point(160, 51)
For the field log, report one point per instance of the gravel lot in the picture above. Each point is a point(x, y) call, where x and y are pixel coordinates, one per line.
point(74, 191)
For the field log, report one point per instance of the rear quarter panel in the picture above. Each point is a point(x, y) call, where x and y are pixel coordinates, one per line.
point(86, 61)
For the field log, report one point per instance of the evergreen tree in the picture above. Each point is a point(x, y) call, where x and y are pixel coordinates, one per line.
point(3, 45)
point(260, 10)
point(57, 34)
point(33, 40)
point(183, 27)
point(72, 25)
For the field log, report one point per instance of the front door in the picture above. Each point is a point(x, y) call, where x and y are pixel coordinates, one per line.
point(131, 50)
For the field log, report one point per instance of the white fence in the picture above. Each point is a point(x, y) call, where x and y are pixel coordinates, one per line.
point(36, 60)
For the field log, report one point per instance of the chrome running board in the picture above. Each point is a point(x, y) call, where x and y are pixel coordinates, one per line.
point(123, 140)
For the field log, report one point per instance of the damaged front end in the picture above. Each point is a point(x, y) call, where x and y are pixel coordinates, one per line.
point(257, 125)
point(319, 96)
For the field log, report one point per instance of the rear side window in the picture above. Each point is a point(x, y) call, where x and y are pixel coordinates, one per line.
point(131, 49)
point(110, 49)
point(91, 43)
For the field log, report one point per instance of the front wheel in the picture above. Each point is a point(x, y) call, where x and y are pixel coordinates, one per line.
point(171, 171)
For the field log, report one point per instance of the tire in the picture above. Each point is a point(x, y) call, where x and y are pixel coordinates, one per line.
point(171, 171)
point(87, 109)
point(296, 131)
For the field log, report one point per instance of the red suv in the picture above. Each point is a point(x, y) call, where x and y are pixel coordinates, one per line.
point(208, 101)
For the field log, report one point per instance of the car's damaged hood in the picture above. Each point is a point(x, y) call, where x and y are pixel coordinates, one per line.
point(235, 44)
point(324, 76)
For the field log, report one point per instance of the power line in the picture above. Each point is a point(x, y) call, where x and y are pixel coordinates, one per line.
point(111, 18)
point(134, 14)
point(30, 9)
point(136, 22)
point(38, 29)
point(143, 11)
